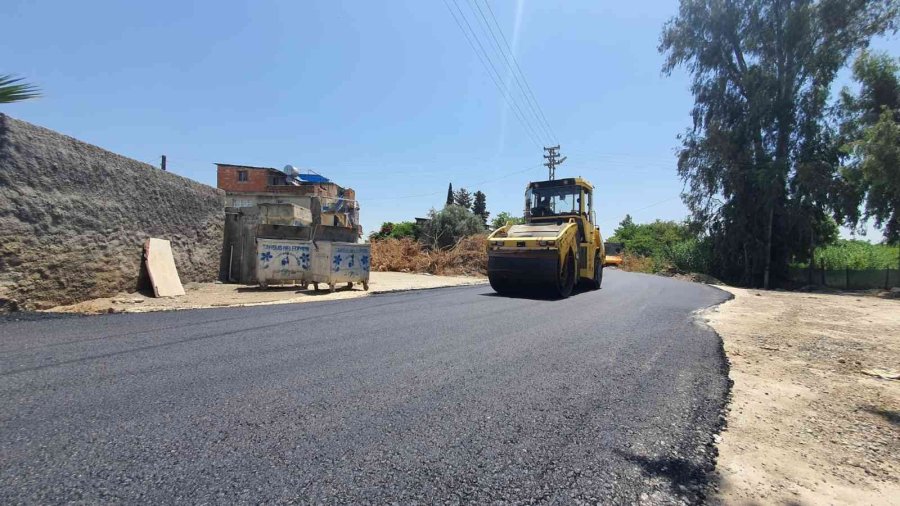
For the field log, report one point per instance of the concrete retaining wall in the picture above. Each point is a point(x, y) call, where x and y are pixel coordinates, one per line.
point(74, 217)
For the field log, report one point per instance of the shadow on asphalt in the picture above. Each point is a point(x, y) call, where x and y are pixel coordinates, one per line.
point(299, 289)
point(34, 316)
point(685, 478)
point(533, 294)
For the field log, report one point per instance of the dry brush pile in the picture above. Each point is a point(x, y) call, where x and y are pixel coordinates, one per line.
point(466, 258)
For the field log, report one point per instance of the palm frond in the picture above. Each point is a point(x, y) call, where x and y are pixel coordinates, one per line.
point(12, 89)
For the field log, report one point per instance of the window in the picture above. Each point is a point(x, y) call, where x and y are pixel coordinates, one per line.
point(553, 201)
point(242, 176)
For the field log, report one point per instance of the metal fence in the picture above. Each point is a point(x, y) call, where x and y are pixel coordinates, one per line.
point(848, 279)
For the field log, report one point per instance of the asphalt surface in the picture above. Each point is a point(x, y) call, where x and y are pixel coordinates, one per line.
point(439, 396)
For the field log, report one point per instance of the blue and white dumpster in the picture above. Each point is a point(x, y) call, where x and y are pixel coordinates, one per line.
point(340, 262)
point(282, 261)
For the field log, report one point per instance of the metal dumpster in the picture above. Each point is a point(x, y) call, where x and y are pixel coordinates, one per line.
point(340, 262)
point(281, 261)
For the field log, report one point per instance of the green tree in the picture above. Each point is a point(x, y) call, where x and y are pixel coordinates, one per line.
point(12, 89)
point(479, 207)
point(503, 218)
point(625, 231)
point(650, 239)
point(462, 198)
point(385, 231)
point(449, 195)
point(760, 162)
point(446, 227)
point(395, 231)
point(871, 137)
point(405, 229)
point(670, 245)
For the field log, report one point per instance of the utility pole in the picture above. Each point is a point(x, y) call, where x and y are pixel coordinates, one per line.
point(552, 162)
point(162, 163)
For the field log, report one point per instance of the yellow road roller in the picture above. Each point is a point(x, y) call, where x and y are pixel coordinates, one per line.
point(558, 246)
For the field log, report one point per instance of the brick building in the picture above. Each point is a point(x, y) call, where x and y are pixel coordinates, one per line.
point(247, 186)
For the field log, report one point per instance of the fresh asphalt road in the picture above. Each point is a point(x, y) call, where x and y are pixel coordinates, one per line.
point(453, 395)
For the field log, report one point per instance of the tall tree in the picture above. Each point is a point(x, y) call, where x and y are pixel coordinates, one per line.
point(12, 89)
point(625, 230)
point(479, 206)
point(462, 198)
point(870, 131)
point(759, 161)
point(449, 195)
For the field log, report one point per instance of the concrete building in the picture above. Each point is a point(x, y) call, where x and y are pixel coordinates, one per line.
point(247, 186)
point(258, 205)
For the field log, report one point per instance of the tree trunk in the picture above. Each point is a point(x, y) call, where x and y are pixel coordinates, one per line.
point(812, 252)
point(769, 247)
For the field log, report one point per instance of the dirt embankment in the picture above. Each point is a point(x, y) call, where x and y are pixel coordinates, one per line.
point(808, 423)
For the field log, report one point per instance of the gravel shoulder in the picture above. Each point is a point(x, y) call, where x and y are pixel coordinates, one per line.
point(212, 295)
point(806, 425)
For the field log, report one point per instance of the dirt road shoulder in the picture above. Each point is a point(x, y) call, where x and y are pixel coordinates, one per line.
point(806, 424)
point(208, 295)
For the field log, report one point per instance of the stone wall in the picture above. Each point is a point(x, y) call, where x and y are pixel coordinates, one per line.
point(74, 217)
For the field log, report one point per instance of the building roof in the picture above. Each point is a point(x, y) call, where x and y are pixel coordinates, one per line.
point(247, 166)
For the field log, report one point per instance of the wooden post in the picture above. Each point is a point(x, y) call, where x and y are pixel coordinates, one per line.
point(162, 164)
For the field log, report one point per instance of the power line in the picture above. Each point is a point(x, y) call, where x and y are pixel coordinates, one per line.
point(486, 27)
point(473, 185)
point(530, 95)
point(489, 67)
point(498, 80)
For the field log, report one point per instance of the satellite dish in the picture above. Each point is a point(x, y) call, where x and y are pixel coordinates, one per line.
point(290, 170)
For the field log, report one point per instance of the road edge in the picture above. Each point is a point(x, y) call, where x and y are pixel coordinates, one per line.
point(708, 495)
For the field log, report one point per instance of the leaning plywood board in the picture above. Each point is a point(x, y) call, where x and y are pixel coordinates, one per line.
point(161, 267)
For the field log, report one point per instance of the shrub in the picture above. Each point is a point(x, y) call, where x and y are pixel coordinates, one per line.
point(501, 219)
point(855, 254)
point(396, 230)
point(448, 226)
point(405, 229)
point(690, 255)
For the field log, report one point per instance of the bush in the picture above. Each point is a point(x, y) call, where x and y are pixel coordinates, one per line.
point(855, 254)
point(501, 219)
point(690, 255)
point(396, 230)
point(650, 239)
point(405, 229)
point(450, 225)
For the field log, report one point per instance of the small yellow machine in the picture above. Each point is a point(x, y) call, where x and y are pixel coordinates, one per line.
point(613, 254)
point(558, 246)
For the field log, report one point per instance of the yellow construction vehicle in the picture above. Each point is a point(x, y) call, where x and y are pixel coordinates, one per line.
point(614, 255)
point(558, 246)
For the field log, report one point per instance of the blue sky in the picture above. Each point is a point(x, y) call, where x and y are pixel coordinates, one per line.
point(385, 97)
